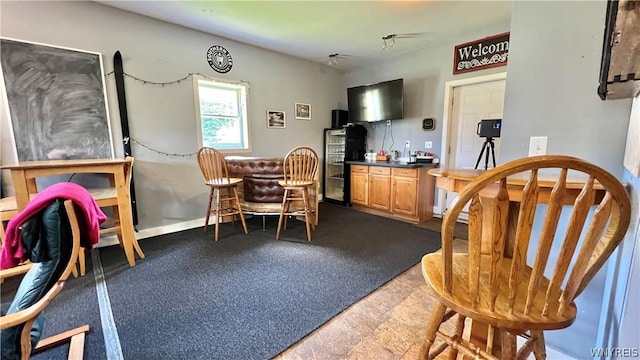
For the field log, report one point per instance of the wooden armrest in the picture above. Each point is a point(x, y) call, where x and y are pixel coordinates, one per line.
point(32, 311)
point(14, 271)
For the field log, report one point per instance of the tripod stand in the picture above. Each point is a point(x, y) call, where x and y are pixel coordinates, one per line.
point(488, 143)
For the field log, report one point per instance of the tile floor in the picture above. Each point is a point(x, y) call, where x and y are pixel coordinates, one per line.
point(387, 324)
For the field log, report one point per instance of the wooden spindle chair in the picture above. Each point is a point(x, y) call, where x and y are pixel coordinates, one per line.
point(22, 325)
point(300, 172)
point(496, 283)
point(223, 188)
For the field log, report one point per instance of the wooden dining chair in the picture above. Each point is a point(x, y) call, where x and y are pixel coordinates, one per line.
point(513, 287)
point(300, 173)
point(108, 198)
point(22, 325)
point(223, 188)
point(8, 209)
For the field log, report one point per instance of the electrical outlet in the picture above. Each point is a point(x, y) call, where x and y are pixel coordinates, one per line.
point(428, 144)
point(538, 145)
point(388, 122)
point(407, 144)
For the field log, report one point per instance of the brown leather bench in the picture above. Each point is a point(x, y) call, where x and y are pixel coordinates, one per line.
point(260, 193)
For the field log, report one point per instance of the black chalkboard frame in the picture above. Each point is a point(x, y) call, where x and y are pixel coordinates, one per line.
point(57, 101)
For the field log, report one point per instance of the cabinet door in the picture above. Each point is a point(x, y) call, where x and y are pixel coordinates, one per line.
point(379, 191)
point(405, 196)
point(359, 188)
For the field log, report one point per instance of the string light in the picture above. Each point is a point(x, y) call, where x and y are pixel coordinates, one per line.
point(126, 140)
point(159, 152)
point(178, 81)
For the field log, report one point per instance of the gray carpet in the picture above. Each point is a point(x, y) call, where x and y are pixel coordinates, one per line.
point(245, 296)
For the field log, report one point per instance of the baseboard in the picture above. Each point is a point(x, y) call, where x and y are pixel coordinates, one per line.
point(155, 231)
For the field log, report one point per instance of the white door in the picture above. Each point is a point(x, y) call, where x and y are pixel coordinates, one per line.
point(472, 103)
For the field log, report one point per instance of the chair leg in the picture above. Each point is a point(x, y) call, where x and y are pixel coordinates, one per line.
point(491, 341)
point(307, 220)
point(539, 347)
point(217, 214)
point(430, 335)
point(116, 222)
point(453, 354)
point(206, 219)
point(81, 261)
point(311, 212)
point(287, 208)
point(76, 336)
point(136, 246)
point(239, 208)
point(509, 347)
point(284, 203)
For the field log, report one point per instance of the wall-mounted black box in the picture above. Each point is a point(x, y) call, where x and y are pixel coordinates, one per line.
point(339, 118)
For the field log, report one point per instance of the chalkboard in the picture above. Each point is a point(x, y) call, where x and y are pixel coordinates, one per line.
point(57, 102)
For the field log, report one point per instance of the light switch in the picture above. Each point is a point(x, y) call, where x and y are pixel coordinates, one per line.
point(538, 145)
point(428, 144)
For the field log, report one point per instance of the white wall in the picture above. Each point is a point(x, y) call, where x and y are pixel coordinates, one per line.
point(424, 73)
point(624, 329)
point(169, 189)
point(552, 77)
point(554, 63)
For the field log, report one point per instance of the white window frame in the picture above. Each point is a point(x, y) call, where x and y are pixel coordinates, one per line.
point(242, 90)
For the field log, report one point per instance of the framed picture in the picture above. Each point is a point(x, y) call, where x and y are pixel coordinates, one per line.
point(303, 111)
point(276, 119)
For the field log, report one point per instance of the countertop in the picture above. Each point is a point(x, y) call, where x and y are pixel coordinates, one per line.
point(392, 163)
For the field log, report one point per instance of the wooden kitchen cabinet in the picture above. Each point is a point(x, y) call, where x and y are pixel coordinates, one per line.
point(360, 185)
point(404, 198)
point(397, 192)
point(380, 188)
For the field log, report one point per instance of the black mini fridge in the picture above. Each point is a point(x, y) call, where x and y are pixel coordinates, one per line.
point(340, 146)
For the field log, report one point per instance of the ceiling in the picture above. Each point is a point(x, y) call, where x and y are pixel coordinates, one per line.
point(313, 30)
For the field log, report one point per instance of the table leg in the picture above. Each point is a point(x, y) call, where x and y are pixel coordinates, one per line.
point(126, 217)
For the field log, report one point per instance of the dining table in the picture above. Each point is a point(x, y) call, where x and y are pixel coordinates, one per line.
point(25, 173)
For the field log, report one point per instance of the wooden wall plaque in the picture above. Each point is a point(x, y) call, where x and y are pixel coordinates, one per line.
point(481, 54)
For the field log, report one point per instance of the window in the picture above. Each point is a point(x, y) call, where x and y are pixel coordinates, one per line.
point(221, 112)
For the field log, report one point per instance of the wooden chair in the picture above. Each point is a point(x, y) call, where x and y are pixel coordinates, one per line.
point(8, 209)
point(108, 198)
point(225, 189)
point(300, 172)
point(504, 290)
point(22, 326)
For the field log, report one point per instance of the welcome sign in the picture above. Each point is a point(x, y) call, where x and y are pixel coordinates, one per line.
point(481, 54)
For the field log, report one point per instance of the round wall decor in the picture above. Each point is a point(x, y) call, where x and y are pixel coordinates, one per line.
point(219, 59)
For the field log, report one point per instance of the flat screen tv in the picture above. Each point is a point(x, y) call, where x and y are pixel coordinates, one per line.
point(376, 102)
